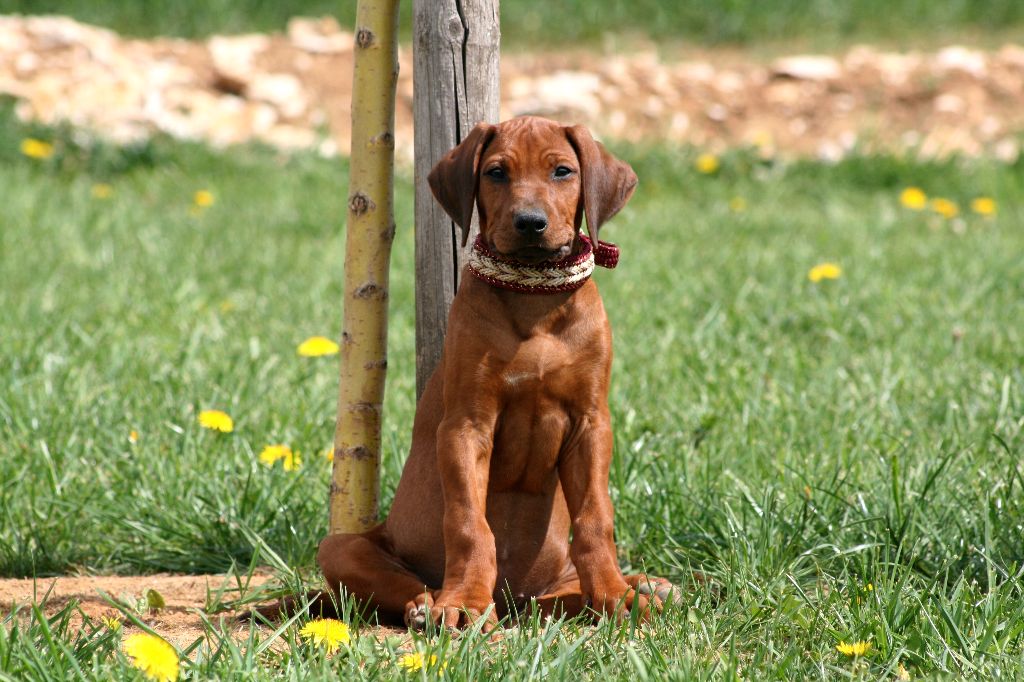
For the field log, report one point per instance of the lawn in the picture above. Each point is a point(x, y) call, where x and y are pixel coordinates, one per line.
point(842, 456)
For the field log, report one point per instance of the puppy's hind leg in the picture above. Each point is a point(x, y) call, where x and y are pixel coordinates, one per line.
point(365, 564)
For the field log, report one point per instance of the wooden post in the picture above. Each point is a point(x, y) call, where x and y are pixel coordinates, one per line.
point(355, 480)
point(455, 86)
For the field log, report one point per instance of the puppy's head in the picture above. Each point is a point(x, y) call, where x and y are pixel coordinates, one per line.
point(532, 181)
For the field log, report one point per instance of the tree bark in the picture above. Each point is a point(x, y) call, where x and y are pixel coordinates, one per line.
point(456, 85)
point(355, 480)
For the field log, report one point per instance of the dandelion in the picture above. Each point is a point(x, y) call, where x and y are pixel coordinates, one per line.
point(985, 206)
point(153, 656)
point(945, 207)
point(102, 190)
point(112, 623)
point(416, 661)
point(824, 271)
point(36, 149)
point(203, 198)
point(914, 198)
point(216, 420)
point(326, 632)
point(329, 454)
point(737, 204)
point(855, 649)
point(707, 164)
point(133, 436)
point(272, 453)
point(902, 674)
point(316, 346)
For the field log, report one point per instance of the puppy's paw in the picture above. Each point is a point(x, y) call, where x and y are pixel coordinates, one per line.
point(622, 601)
point(417, 611)
point(649, 586)
point(456, 611)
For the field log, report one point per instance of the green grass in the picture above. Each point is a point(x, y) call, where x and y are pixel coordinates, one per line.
point(798, 442)
point(527, 24)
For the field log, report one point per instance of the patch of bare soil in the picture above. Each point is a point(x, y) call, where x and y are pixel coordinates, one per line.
point(294, 89)
point(185, 598)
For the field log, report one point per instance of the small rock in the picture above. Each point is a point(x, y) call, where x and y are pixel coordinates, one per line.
point(289, 137)
point(807, 67)
point(233, 60)
point(1007, 150)
point(962, 59)
point(948, 103)
point(319, 36)
point(283, 90)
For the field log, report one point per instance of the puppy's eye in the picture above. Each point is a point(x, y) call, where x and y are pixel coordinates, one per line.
point(496, 173)
point(563, 172)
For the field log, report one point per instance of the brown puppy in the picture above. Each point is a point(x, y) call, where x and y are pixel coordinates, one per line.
point(512, 438)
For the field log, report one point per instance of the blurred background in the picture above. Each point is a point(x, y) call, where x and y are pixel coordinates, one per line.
point(814, 78)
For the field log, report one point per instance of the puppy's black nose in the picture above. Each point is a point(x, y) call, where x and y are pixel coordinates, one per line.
point(530, 223)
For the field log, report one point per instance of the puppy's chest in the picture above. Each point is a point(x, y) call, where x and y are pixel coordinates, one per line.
point(543, 393)
point(540, 367)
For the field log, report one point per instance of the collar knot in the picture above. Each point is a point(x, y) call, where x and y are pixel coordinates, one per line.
point(568, 274)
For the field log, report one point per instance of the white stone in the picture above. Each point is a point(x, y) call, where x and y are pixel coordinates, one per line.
point(234, 57)
point(319, 36)
point(283, 90)
point(962, 59)
point(807, 67)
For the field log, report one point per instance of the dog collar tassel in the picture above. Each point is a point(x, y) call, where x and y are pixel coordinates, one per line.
point(567, 274)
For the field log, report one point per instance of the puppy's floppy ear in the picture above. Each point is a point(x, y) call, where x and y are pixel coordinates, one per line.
point(455, 177)
point(607, 182)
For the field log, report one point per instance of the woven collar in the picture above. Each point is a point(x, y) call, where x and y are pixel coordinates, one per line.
point(567, 274)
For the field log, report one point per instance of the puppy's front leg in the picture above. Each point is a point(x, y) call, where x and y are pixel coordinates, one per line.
point(463, 458)
point(583, 472)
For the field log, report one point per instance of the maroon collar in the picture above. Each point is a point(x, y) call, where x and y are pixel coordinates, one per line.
point(567, 274)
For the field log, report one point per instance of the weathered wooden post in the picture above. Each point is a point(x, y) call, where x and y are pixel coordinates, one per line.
point(455, 86)
point(355, 481)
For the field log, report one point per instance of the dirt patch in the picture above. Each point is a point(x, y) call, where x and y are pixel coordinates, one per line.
point(185, 597)
point(294, 89)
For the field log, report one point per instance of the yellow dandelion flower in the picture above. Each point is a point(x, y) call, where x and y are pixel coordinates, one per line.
point(326, 632)
point(153, 656)
point(203, 198)
point(290, 460)
point(985, 206)
point(410, 663)
point(329, 454)
point(707, 164)
point(102, 190)
point(945, 207)
point(914, 198)
point(133, 436)
point(36, 149)
point(737, 204)
point(824, 271)
point(855, 649)
point(316, 346)
point(272, 453)
point(111, 622)
point(216, 420)
point(871, 588)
